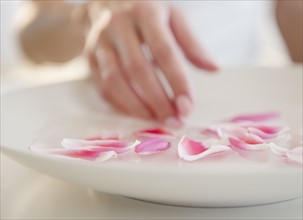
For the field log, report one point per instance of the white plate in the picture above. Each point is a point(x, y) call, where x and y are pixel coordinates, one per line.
point(43, 115)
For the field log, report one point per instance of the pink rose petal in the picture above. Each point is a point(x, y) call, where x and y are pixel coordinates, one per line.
point(80, 143)
point(261, 117)
point(278, 150)
point(91, 154)
point(249, 145)
point(266, 132)
point(107, 145)
point(187, 146)
point(296, 155)
point(87, 154)
point(262, 134)
point(154, 132)
point(152, 145)
point(246, 137)
point(104, 135)
point(267, 129)
point(192, 150)
point(215, 132)
point(104, 156)
point(99, 138)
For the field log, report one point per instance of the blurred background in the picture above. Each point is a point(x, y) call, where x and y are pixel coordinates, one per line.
point(10, 52)
point(17, 71)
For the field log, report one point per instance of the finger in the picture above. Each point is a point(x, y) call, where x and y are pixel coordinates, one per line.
point(96, 78)
point(188, 42)
point(94, 67)
point(140, 72)
point(166, 53)
point(114, 87)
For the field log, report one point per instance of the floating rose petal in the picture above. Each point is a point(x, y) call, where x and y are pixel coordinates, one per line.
point(215, 132)
point(92, 154)
point(278, 150)
point(262, 134)
point(192, 150)
point(261, 117)
point(104, 135)
point(152, 145)
point(88, 154)
point(99, 138)
point(225, 130)
point(187, 146)
point(245, 136)
point(296, 155)
point(284, 140)
point(249, 144)
point(107, 145)
point(266, 132)
point(154, 132)
point(80, 143)
point(104, 156)
point(268, 129)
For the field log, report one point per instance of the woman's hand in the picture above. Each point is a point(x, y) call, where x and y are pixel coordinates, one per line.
point(128, 78)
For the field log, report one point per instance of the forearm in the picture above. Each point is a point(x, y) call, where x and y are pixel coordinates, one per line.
point(50, 34)
point(289, 19)
point(53, 34)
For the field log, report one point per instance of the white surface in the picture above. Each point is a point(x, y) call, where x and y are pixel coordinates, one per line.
point(10, 51)
point(42, 105)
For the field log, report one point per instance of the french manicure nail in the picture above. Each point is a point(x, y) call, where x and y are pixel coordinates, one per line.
point(184, 105)
point(207, 63)
point(173, 122)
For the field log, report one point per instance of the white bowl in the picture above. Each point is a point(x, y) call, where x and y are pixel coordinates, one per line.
point(41, 116)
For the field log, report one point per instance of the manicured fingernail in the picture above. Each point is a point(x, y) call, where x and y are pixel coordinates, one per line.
point(212, 66)
point(173, 122)
point(184, 105)
point(207, 63)
point(214, 69)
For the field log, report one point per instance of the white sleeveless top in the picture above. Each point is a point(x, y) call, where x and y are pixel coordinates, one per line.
point(234, 32)
point(230, 31)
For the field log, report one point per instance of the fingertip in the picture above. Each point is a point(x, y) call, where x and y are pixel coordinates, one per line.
point(207, 64)
point(184, 105)
point(211, 67)
point(149, 116)
point(173, 122)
